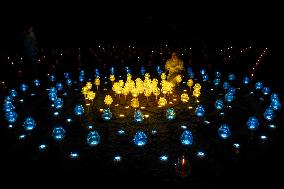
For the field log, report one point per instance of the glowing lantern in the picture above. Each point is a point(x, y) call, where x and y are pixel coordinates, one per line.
point(246, 80)
point(258, 85)
point(170, 114)
point(93, 138)
point(219, 104)
point(224, 131)
point(58, 103)
point(135, 92)
point(190, 83)
point(178, 79)
point(163, 76)
point(107, 115)
point(11, 116)
point(97, 82)
point(186, 138)
point(140, 138)
point(108, 100)
point(252, 123)
point(112, 78)
point(135, 103)
point(199, 111)
point(162, 101)
point(58, 133)
point(89, 85)
point(138, 116)
point(85, 91)
point(29, 124)
point(79, 110)
point(184, 97)
point(156, 92)
point(269, 114)
point(91, 95)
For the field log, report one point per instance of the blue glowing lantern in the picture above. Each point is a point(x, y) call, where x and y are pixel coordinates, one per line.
point(229, 97)
point(266, 90)
point(252, 123)
point(219, 104)
point(199, 111)
point(82, 72)
point(205, 77)
point(58, 103)
point(107, 115)
point(52, 96)
point(36, 82)
point(58, 133)
point(121, 131)
point(42, 147)
point(11, 116)
point(24, 87)
point(258, 85)
point(59, 86)
point(232, 90)
point(52, 78)
point(231, 77)
point(66, 75)
point(275, 104)
point(8, 106)
point(69, 82)
point(13, 93)
point(81, 78)
point(93, 138)
point(79, 110)
point(186, 138)
point(29, 124)
point(112, 71)
point(140, 138)
point(274, 96)
point(164, 158)
point(226, 85)
point(128, 71)
point(142, 70)
point(218, 74)
point(159, 70)
point(224, 131)
point(217, 82)
point(202, 71)
point(189, 70)
point(74, 155)
point(138, 116)
point(117, 158)
point(170, 114)
point(246, 80)
point(269, 114)
point(154, 131)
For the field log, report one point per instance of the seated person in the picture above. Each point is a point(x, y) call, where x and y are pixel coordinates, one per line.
point(174, 67)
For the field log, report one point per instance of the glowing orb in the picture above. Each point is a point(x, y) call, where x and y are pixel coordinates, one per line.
point(186, 138)
point(224, 131)
point(93, 138)
point(140, 138)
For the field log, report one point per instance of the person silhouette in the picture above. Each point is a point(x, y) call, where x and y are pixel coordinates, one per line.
point(30, 51)
point(174, 66)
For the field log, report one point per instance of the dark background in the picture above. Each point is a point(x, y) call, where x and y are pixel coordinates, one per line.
point(79, 25)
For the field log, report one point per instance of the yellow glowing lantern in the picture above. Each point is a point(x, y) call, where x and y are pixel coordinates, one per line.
point(108, 100)
point(89, 85)
point(147, 93)
point(178, 79)
point(147, 76)
point(135, 103)
point(135, 92)
point(197, 86)
point(184, 97)
point(91, 95)
point(156, 92)
point(112, 78)
point(129, 76)
point(163, 76)
point(97, 82)
point(190, 83)
point(162, 101)
point(196, 93)
point(84, 91)
point(121, 83)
